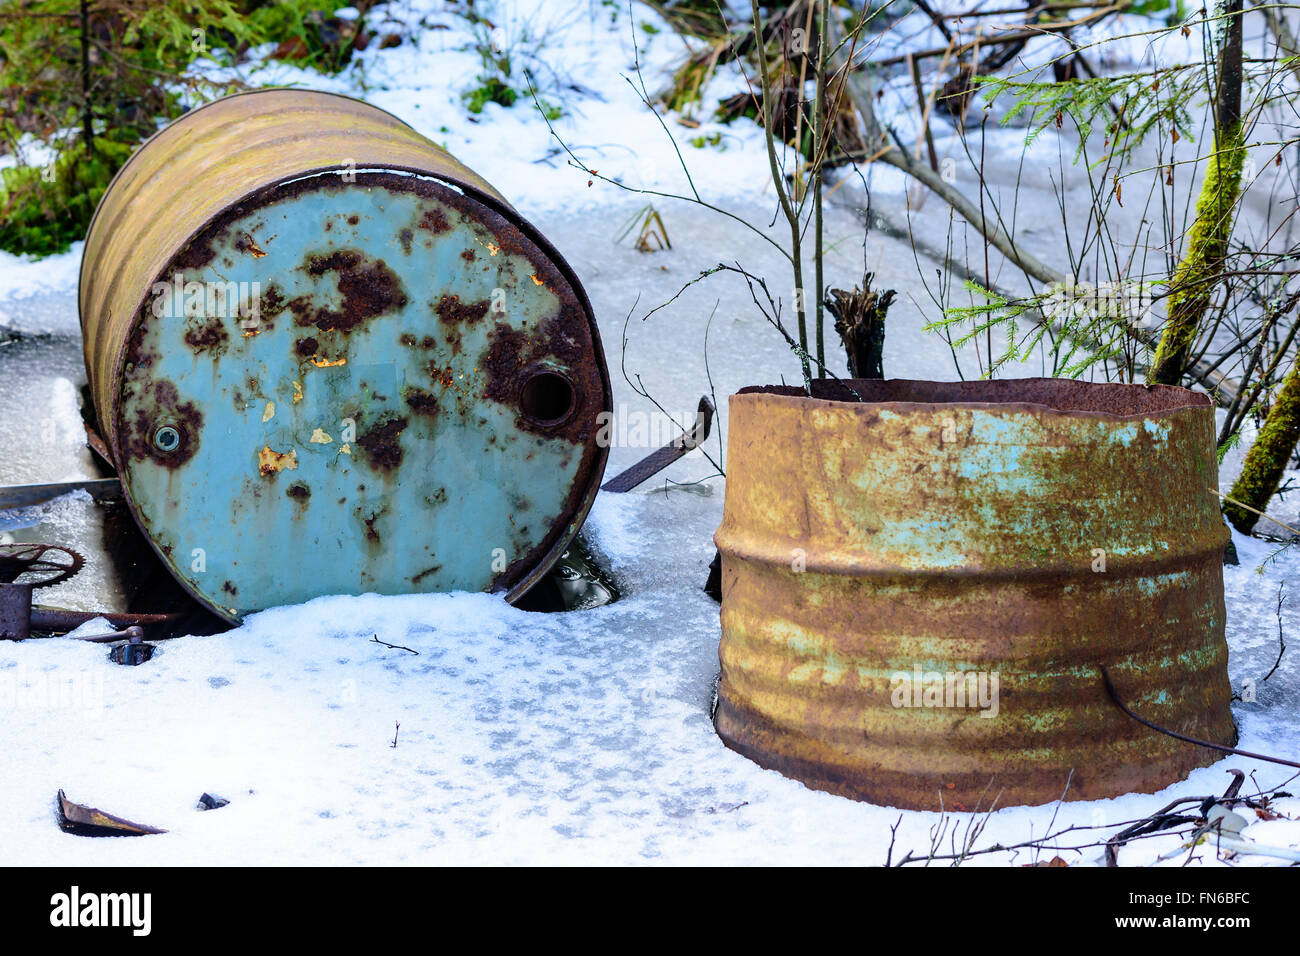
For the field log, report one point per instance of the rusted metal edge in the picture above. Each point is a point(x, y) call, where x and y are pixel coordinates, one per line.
point(1196, 399)
point(560, 537)
point(96, 443)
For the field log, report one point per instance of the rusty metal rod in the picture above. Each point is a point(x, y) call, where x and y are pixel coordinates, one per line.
point(132, 634)
point(661, 458)
point(63, 619)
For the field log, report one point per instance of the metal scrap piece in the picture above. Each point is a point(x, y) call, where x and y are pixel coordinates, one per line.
point(23, 496)
point(661, 458)
point(91, 821)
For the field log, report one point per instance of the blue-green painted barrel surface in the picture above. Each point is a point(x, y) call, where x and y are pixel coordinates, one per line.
point(355, 378)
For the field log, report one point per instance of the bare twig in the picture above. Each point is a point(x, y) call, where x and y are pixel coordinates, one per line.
point(1281, 641)
point(397, 647)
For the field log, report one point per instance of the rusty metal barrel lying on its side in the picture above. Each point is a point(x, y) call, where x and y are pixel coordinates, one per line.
point(919, 588)
point(329, 358)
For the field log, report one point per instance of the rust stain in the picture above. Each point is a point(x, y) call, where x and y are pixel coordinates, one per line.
point(382, 443)
point(328, 363)
point(451, 311)
point(417, 578)
point(269, 462)
point(159, 403)
point(197, 254)
point(368, 286)
point(515, 357)
point(420, 402)
point(435, 221)
point(207, 336)
point(245, 243)
point(270, 305)
point(368, 521)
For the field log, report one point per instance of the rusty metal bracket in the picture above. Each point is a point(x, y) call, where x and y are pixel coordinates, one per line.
point(661, 458)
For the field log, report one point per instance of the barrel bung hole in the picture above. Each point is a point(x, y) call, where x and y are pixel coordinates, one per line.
point(168, 438)
point(546, 398)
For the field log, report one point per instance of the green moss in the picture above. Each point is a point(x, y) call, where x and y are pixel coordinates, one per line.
point(1268, 457)
point(492, 90)
point(43, 211)
point(322, 47)
point(124, 96)
point(1197, 275)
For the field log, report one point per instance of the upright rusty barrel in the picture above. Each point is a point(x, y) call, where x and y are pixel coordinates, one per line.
point(921, 587)
point(329, 358)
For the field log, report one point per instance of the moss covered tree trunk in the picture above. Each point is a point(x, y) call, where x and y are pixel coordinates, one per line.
point(1267, 459)
point(1197, 275)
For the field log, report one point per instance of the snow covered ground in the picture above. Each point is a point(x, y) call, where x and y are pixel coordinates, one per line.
point(564, 738)
point(574, 738)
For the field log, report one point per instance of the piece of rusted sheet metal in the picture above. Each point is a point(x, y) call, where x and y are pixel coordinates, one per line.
point(661, 458)
point(91, 821)
point(1029, 529)
point(96, 444)
point(411, 406)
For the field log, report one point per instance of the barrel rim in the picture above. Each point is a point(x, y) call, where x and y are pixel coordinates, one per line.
point(794, 396)
point(765, 553)
point(177, 122)
point(575, 518)
point(184, 118)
